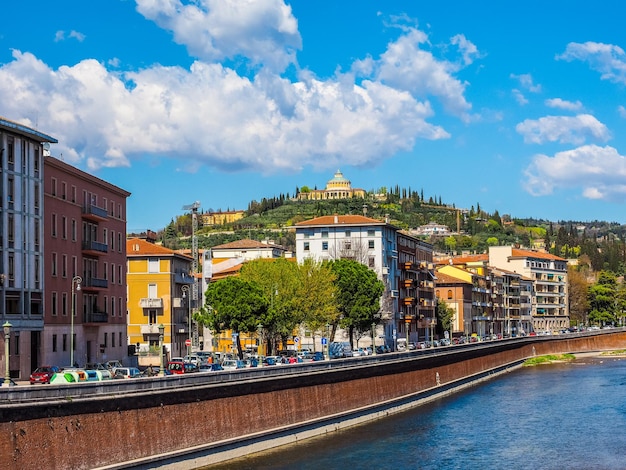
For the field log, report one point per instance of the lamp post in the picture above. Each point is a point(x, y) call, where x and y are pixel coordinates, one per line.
point(260, 349)
point(76, 280)
point(7, 335)
point(185, 290)
point(161, 369)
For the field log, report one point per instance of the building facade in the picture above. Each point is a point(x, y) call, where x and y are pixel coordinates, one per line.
point(159, 287)
point(22, 245)
point(208, 219)
point(338, 187)
point(85, 267)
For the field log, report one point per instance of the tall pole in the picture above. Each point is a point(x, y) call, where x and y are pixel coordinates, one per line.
point(76, 280)
point(194, 261)
point(185, 290)
point(161, 369)
point(7, 336)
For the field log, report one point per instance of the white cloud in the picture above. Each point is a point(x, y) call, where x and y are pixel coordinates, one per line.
point(608, 59)
point(265, 32)
point(599, 172)
point(519, 97)
point(564, 104)
point(526, 81)
point(211, 115)
point(405, 65)
point(564, 129)
point(60, 36)
point(621, 110)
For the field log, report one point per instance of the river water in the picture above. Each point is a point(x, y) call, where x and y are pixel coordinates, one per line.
point(558, 416)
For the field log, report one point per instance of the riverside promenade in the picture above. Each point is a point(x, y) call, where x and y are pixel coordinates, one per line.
point(200, 419)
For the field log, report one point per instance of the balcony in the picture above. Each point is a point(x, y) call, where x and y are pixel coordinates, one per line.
point(407, 283)
point(95, 213)
point(149, 329)
point(183, 278)
point(95, 248)
point(96, 317)
point(151, 303)
point(94, 283)
point(427, 284)
point(408, 300)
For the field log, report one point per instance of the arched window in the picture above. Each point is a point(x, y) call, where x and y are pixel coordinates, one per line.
point(449, 293)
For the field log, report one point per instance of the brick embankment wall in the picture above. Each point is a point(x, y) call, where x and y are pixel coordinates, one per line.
point(138, 428)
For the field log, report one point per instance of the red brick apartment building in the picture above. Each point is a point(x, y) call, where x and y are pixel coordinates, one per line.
point(85, 267)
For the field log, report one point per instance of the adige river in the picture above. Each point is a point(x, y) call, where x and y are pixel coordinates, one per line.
point(557, 416)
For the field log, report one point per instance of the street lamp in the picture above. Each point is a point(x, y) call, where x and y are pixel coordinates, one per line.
point(76, 280)
point(7, 335)
point(185, 290)
point(161, 369)
point(260, 348)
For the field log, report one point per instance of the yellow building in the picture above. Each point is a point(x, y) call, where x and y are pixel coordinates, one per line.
point(338, 187)
point(220, 218)
point(159, 283)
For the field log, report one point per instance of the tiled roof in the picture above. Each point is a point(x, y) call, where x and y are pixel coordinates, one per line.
point(447, 279)
point(140, 247)
point(329, 220)
point(517, 253)
point(245, 244)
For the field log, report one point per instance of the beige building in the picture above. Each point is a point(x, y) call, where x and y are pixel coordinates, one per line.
point(338, 187)
point(220, 218)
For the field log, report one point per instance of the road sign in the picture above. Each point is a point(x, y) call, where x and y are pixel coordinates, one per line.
point(324, 341)
point(187, 342)
point(296, 339)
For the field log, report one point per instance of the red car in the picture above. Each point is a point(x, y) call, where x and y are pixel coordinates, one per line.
point(43, 374)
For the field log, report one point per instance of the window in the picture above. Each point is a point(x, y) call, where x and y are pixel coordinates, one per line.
point(325, 246)
point(153, 265)
point(370, 244)
point(119, 309)
point(449, 293)
point(152, 317)
point(36, 234)
point(64, 228)
point(347, 245)
point(53, 303)
point(64, 190)
point(10, 150)
point(11, 227)
point(54, 343)
point(152, 291)
point(54, 264)
point(348, 233)
point(106, 270)
point(371, 261)
point(119, 242)
point(112, 273)
point(371, 232)
point(65, 342)
point(73, 193)
point(53, 227)
point(73, 230)
point(64, 304)
point(306, 246)
point(64, 266)
point(120, 341)
point(112, 306)
point(53, 189)
point(324, 233)
point(105, 236)
point(112, 340)
point(106, 339)
point(11, 190)
point(119, 274)
point(112, 240)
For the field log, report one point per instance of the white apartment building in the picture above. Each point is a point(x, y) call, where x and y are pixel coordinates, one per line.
point(369, 241)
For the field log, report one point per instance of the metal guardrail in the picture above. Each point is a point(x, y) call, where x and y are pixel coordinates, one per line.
point(88, 390)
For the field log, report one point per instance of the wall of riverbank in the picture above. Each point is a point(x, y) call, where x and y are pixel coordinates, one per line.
point(186, 422)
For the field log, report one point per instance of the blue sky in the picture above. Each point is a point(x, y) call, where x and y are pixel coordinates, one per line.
point(517, 106)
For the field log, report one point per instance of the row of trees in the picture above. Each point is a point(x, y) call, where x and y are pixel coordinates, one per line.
point(600, 302)
point(275, 297)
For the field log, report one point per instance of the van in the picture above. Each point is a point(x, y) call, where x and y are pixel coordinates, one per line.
point(338, 350)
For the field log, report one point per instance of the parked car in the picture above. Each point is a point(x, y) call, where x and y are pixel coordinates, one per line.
point(194, 359)
point(317, 356)
point(126, 373)
point(43, 374)
point(112, 365)
point(231, 364)
point(210, 367)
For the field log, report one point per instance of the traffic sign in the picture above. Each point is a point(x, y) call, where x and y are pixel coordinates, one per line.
point(324, 341)
point(187, 342)
point(296, 339)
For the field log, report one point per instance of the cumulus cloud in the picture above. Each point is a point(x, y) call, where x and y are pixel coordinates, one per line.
point(208, 114)
point(564, 104)
point(408, 66)
point(564, 129)
point(608, 59)
point(519, 97)
point(621, 110)
point(599, 172)
point(264, 32)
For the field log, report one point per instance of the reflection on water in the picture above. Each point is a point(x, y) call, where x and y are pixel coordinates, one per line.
point(559, 416)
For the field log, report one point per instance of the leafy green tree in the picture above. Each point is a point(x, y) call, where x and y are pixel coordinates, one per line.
point(358, 295)
point(279, 281)
point(603, 298)
point(444, 317)
point(492, 241)
point(578, 300)
point(233, 304)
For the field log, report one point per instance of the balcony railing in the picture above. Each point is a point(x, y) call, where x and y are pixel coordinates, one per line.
point(96, 317)
point(149, 329)
point(90, 245)
point(93, 211)
point(95, 282)
point(151, 303)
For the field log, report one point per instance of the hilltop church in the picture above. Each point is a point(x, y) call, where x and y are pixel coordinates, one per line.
point(338, 187)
